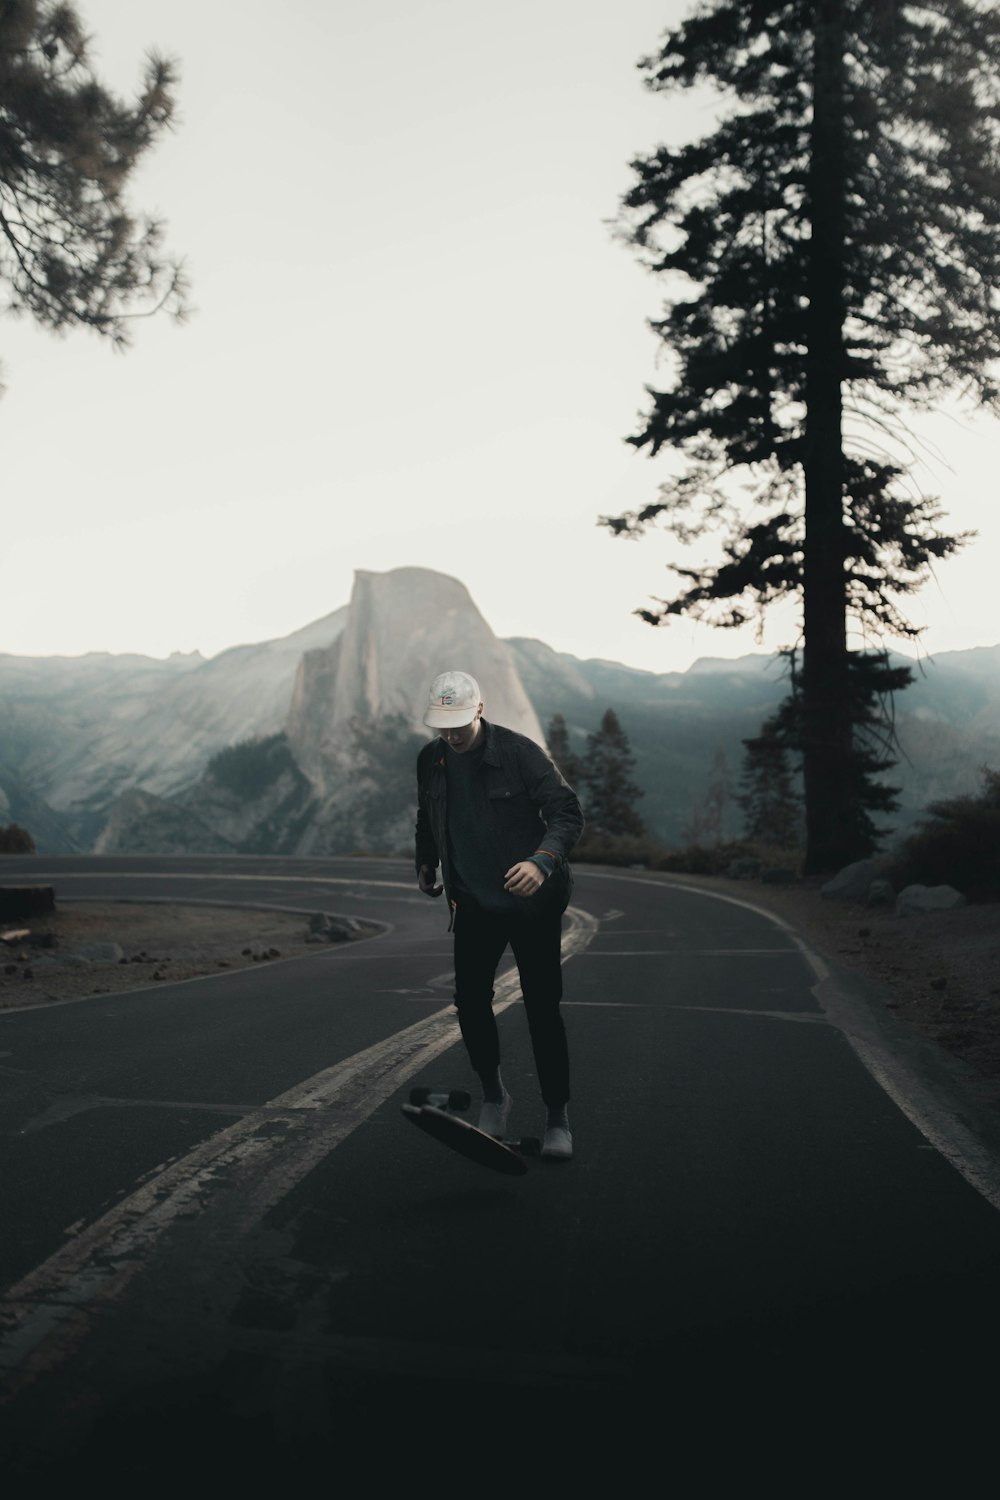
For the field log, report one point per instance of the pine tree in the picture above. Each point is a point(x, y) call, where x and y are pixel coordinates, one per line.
point(770, 804)
point(609, 792)
point(71, 252)
point(830, 254)
point(717, 797)
point(706, 825)
point(568, 763)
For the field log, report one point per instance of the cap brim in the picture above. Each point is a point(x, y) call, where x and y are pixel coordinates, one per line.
point(449, 718)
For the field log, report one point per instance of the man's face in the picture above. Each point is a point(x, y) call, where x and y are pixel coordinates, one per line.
point(462, 739)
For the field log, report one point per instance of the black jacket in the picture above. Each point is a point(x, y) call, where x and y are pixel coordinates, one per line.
point(533, 811)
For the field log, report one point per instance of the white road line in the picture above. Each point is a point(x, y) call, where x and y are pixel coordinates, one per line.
point(254, 1162)
point(689, 952)
point(721, 1010)
point(806, 1017)
point(317, 882)
point(940, 1117)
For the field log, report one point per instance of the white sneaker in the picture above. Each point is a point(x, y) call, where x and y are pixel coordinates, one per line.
point(558, 1143)
point(493, 1116)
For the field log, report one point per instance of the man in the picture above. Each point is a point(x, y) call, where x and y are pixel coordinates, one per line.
point(498, 817)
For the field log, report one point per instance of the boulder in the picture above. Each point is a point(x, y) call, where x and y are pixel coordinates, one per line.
point(852, 882)
point(326, 929)
point(98, 953)
point(82, 956)
point(880, 893)
point(918, 900)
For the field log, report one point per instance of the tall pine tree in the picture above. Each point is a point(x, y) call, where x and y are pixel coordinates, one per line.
point(609, 792)
point(832, 247)
point(767, 796)
point(565, 758)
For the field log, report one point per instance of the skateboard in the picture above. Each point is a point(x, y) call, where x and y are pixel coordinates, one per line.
point(427, 1110)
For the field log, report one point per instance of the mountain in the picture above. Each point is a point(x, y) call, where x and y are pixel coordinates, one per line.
point(401, 630)
point(337, 775)
point(306, 744)
point(82, 730)
point(678, 723)
point(687, 727)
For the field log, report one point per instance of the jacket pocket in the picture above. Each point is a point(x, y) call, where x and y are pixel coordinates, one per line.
point(507, 792)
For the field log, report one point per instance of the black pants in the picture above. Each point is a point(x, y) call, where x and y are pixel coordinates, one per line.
point(480, 940)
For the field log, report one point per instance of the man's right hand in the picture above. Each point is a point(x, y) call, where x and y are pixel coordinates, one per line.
point(425, 879)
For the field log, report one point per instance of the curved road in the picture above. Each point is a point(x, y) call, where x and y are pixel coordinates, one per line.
point(217, 1226)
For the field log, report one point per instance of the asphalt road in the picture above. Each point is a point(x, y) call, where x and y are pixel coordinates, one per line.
point(221, 1242)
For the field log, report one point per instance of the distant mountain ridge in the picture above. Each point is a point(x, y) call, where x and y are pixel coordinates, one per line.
point(131, 752)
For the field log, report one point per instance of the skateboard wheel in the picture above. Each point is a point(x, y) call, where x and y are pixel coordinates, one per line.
point(459, 1099)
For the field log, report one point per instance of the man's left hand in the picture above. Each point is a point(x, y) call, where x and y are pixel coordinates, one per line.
point(523, 879)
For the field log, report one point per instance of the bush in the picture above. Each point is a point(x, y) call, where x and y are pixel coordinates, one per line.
point(16, 840)
point(959, 845)
point(693, 859)
point(715, 859)
point(697, 859)
point(618, 849)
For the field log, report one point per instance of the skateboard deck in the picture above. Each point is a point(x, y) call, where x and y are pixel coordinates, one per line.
point(469, 1141)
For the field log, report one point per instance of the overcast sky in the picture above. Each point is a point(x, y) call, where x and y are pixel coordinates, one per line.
point(416, 343)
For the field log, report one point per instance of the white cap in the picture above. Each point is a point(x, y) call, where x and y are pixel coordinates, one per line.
point(453, 701)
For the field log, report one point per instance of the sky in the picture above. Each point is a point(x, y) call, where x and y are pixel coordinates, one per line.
point(415, 342)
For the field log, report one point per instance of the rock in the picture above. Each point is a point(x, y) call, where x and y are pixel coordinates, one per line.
point(398, 626)
point(880, 893)
point(918, 900)
point(83, 956)
point(98, 953)
point(744, 869)
point(852, 882)
point(260, 952)
point(323, 928)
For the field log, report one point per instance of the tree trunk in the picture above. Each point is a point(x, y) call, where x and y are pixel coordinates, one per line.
point(826, 726)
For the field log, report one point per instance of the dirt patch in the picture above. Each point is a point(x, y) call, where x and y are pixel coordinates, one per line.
point(940, 972)
point(159, 943)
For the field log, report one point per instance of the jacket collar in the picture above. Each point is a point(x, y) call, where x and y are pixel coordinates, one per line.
point(491, 750)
